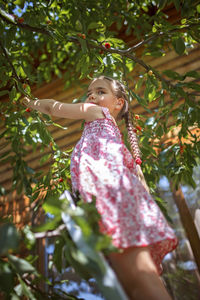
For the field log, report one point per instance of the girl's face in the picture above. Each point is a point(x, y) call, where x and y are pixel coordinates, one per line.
point(101, 93)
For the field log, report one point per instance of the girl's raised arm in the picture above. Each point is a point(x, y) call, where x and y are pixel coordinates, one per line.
point(86, 111)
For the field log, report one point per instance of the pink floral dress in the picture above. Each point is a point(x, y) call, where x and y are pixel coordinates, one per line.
point(102, 166)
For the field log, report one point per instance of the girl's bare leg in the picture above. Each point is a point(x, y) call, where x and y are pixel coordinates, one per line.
point(138, 274)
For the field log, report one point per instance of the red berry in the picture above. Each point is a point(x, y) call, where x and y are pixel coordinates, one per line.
point(135, 130)
point(138, 161)
point(48, 22)
point(182, 149)
point(139, 128)
point(165, 92)
point(107, 45)
point(137, 117)
point(21, 20)
point(82, 35)
point(24, 86)
point(28, 109)
point(60, 179)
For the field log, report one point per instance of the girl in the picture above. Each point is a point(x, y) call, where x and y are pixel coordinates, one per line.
point(102, 166)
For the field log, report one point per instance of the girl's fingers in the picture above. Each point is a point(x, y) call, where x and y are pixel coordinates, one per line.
point(26, 101)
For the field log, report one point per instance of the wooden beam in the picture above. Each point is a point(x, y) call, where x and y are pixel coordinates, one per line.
point(187, 222)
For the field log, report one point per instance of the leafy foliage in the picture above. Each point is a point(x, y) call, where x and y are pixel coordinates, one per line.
point(75, 40)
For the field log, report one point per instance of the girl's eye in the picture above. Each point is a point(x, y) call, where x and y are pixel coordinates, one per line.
point(100, 92)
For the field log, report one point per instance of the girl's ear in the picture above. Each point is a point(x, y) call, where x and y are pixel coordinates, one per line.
point(120, 103)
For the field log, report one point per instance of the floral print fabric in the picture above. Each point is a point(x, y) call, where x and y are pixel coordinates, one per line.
point(102, 166)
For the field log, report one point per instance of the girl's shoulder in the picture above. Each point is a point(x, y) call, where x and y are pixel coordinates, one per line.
point(105, 115)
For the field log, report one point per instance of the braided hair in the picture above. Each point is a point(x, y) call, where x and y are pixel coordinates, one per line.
point(120, 92)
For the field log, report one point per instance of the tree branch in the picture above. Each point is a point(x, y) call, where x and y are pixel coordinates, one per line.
point(135, 59)
point(141, 63)
point(124, 53)
point(26, 26)
point(46, 234)
point(157, 35)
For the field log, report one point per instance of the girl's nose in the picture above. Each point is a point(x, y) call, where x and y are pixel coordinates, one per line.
point(91, 96)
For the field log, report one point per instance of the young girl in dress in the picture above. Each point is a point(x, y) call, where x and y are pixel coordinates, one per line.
point(102, 166)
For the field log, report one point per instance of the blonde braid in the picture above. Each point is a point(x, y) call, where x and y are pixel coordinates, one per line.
point(135, 150)
point(132, 138)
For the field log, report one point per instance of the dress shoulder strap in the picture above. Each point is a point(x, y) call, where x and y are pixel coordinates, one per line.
point(106, 113)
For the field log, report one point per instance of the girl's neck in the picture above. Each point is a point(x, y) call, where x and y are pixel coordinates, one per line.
point(114, 121)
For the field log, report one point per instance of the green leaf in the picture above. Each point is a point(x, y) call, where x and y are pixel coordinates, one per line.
point(99, 58)
point(14, 297)
point(193, 74)
point(57, 255)
point(7, 16)
point(44, 134)
point(173, 75)
point(93, 25)
point(21, 265)
point(4, 92)
point(162, 3)
point(45, 158)
point(49, 225)
point(83, 45)
point(26, 290)
point(177, 4)
point(9, 238)
point(159, 131)
point(34, 126)
point(29, 237)
point(20, 3)
point(139, 83)
point(194, 86)
point(6, 278)
point(152, 95)
point(59, 126)
point(28, 138)
point(141, 100)
point(53, 205)
point(13, 93)
point(179, 45)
